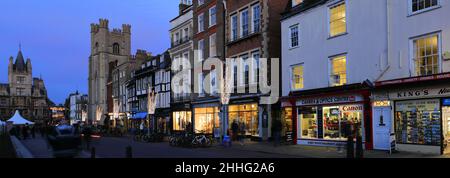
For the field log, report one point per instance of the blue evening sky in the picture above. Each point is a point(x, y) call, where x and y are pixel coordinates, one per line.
point(55, 34)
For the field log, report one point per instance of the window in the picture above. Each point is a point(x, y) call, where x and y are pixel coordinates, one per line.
point(297, 77)
point(244, 77)
point(186, 34)
point(341, 121)
point(245, 115)
point(426, 55)
point(296, 2)
point(418, 122)
point(234, 29)
point(338, 24)
point(201, 2)
point(200, 84)
point(420, 5)
point(201, 47)
point(116, 48)
point(244, 23)
point(212, 16)
point(308, 122)
point(338, 71)
point(255, 61)
point(212, 46)
point(206, 120)
point(177, 38)
point(201, 22)
point(20, 91)
point(213, 81)
point(294, 36)
point(256, 18)
point(181, 120)
point(20, 79)
point(235, 72)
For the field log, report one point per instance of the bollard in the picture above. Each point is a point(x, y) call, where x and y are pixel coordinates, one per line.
point(93, 152)
point(350, 147)
point(129, 152)
point(359, 147)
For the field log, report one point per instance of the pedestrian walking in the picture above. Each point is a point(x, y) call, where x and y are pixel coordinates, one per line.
point(276, 131)
point(87, 133)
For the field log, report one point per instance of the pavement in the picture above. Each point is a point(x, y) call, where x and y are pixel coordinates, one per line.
point(115, 147)
point(39, 148)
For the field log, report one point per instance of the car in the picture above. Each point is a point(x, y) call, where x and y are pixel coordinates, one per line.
point(64, 141)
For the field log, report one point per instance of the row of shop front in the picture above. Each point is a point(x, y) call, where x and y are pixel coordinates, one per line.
point(205, 117)
point(411, 114)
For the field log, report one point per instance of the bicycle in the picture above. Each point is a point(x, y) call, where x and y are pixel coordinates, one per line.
point(201, 140)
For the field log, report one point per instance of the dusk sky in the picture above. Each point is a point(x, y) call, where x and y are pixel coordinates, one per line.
point(55, 35)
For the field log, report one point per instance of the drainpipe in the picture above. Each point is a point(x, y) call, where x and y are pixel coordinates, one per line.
point(388, 42)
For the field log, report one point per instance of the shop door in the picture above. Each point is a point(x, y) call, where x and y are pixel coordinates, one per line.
point(381, 127)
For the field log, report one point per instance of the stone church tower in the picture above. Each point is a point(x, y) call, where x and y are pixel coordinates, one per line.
point(24, 93)
point(109, 48)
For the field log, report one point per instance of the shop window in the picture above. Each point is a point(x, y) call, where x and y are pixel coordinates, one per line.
point(338, 71)
point(287, 120)
point(297, 77)
point(246, 115)
point(418, 122)
point(181, 120)
point(426, 55)
point(338, 22)
point(206, 119)
point(339, 122)
point(308, 122)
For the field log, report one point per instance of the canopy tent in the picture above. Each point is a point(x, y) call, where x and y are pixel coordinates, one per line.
point(17, 119)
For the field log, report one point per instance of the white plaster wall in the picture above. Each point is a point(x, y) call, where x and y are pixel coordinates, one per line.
point(365, 44)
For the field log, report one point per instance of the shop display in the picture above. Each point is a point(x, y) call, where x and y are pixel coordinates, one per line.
point(336, 122)
point(246, 114)
point(206, 119)
point(418, 122)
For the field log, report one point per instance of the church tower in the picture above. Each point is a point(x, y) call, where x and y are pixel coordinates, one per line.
point(20, 76)
point(107, 47)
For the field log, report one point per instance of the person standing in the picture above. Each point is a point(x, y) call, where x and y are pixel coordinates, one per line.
point(235, 130)
point(87, 133)
point(242, 133)
point(25, 131)
point(33, 132)
point(276, 131)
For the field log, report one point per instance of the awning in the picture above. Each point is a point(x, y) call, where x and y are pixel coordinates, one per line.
point(139, 115)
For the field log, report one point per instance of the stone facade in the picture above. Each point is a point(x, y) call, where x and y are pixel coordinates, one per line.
point(24, 93)
point(108, 49)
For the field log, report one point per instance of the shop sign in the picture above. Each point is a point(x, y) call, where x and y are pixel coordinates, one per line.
point(420, 93)
point(326, 143)
point(414, 79)
point(351, 108)
point(329, 100)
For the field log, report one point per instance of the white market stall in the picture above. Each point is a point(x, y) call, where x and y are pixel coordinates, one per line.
point(17, 119)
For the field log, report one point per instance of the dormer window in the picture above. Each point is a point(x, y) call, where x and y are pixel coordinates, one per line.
point(296, 2)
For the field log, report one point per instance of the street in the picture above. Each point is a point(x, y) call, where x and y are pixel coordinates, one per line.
point(115, 147)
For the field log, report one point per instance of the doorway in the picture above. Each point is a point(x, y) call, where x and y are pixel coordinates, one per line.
point(382, 127)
